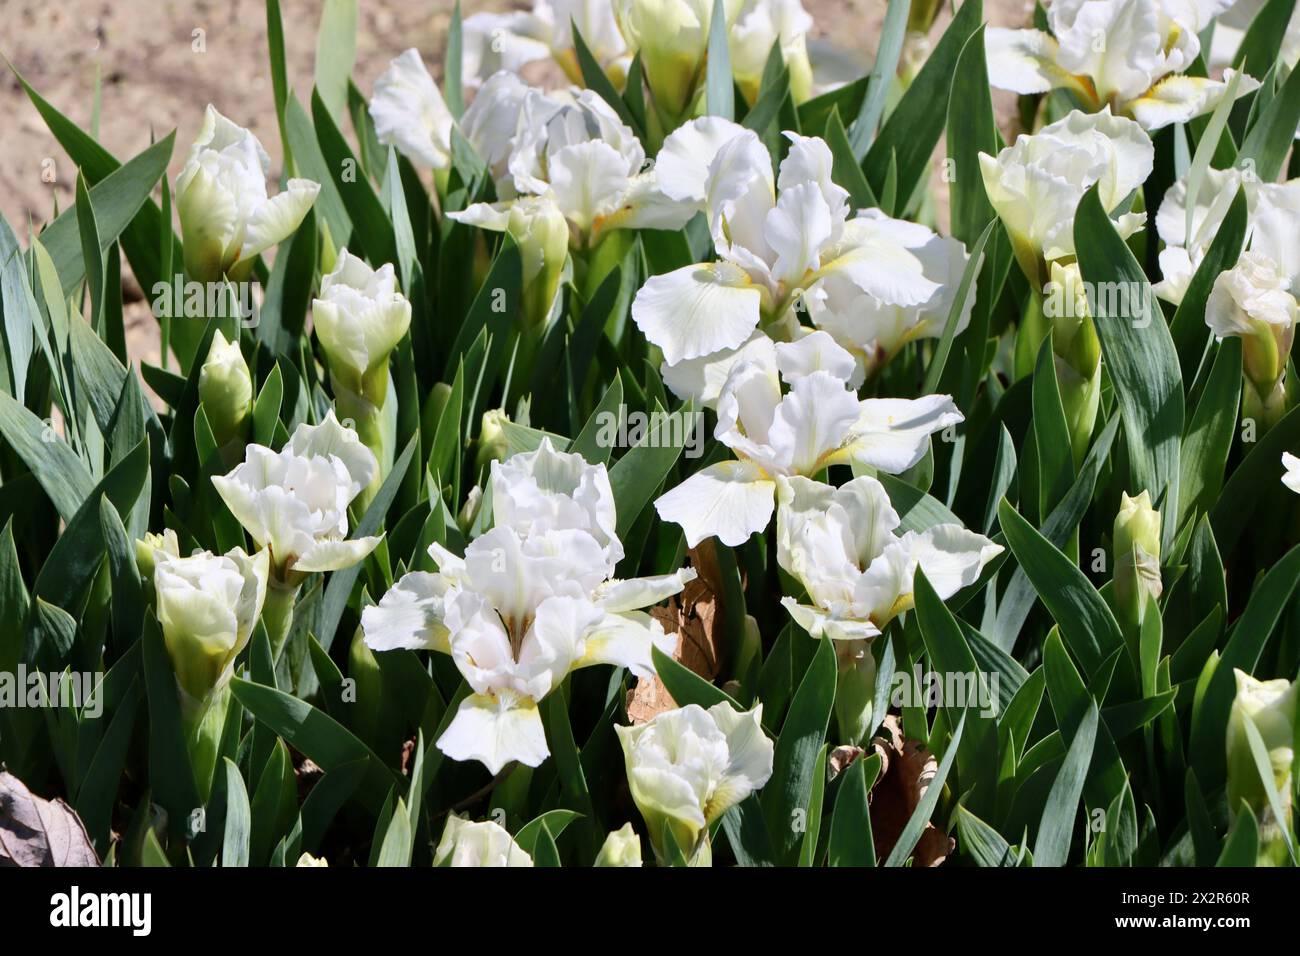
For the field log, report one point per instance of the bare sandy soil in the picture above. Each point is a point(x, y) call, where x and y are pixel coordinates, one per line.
point(159, 62)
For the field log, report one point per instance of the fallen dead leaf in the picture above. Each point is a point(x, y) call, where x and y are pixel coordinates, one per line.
point(37, 832)
point(408, 751)
point(308, 773)
point(842, 757)
point(907, 769)
point(696, 617)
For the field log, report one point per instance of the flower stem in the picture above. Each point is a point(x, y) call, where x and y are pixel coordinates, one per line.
point(1265, 410)
point(376, 426)
point(855, 689)
point(277, 615)
point(204, 722)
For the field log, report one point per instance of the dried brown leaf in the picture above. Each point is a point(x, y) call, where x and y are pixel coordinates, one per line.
point(842, 757)
point(648, 699)
point(907, 769)
point(696, 617)
point(37, 832)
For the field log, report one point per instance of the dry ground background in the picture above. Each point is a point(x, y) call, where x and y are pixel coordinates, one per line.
point(153, 78)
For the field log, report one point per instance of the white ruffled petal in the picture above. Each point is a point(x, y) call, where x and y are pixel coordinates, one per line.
point(697, 310)
point(682, 166)
point(500, 42)
point(408, 616)
point(588, 181)
point(730, 501)
point(277, 218)
point(892, 434)
point(812, 422)
point(750, 754)
point(1022, 61)
point(810, 161)
point(617, 596)
point(335, 555)
point(951, 557)
point(495, 730)
point(1178, 99)
point(242, 500)
point(738, 194)
point(819, 623)
point(410, 114)
point(877, 264)
point(485, 844)
point(797, 229)
point(646, 207)
point(331, 438)
point(1248, 298)
point(494, 217)
point(1276, 220)
point(702, 378)
point(1292, 477)
point(814, 352)
point(1117, 43)
point(625, 640)
point(826, 535)
point(1176, 270)
point(208, 213)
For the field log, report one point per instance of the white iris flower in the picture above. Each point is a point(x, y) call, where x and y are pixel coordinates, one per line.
point(818, 422)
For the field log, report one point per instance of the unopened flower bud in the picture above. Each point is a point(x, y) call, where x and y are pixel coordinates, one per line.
point(1077, 353)
point(1271, 707)
point(360, 317)
point(543, 236)
point(433, 406)
point(759, 26)
point(1137, 526)
point(621, 848)
point(672, 38)
point(207, 606)
point(491, 439)
point(225, 389)
point(1065, 302)
point(1268, 408)
point(538, 227)
point(1136, 541)
point(469, 510)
